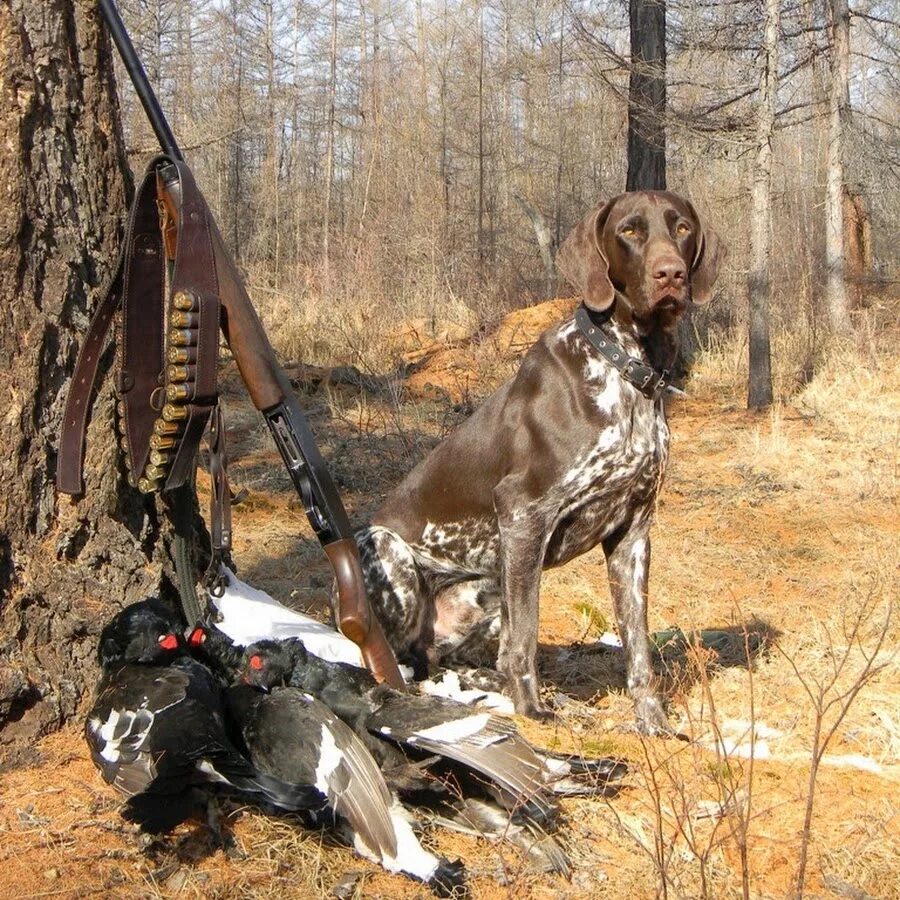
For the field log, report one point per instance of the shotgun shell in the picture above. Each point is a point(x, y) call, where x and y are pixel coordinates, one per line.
point(182, 356)
point(146, 486)
point(180, 319)
point(154, 473)
point(161, 426)
point(160, 442)
point(184, 301)
point(172, 413)
point(179, 393)
point(159, 459)
point(181, 373)
point(182, 337)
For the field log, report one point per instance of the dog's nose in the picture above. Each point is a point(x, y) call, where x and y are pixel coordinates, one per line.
point(669, 272)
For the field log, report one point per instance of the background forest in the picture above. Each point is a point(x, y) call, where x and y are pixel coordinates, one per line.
point(371, 161)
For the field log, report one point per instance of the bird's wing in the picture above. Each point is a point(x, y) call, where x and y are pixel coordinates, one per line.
point(119, 727)
point(578, 775)
point(485, 743)
point(481, 819)
point(297, 738)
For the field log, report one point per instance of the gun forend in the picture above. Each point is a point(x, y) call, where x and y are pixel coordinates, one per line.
point(354, 617)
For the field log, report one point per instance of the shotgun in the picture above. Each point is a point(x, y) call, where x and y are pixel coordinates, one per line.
point(271, 393)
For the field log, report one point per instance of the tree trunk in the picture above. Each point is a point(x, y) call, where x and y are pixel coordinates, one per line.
point(857, 242)
point(647, 97)
point(560, 135)
point(759, 282)
point(329, 150)
point(64, 566)
point(480, 218)
point(544, 240)
point(838, 102)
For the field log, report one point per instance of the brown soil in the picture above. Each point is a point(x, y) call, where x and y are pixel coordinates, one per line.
point(782, 527)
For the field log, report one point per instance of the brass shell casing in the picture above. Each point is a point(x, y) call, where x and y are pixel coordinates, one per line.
point(184, 301)
point(146, 486)
point(181, 373)
point(159, 442)
point(172, 413)
point(182, 337)
point(120, 409)
point(161, 426)
point(160, 459)
point(179, 393)
point(154, 473)
point(181, 356)
point(179, 319)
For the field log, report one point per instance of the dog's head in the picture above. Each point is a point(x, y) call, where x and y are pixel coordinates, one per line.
point(648, 246)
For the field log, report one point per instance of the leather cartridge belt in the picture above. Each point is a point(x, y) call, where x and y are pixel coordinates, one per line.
point(165, 291)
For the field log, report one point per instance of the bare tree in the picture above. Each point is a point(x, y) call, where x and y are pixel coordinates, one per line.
point(838, 105)
point(759, 279)
point(329, 152)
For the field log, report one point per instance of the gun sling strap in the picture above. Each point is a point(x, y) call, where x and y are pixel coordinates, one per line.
point(165, 290)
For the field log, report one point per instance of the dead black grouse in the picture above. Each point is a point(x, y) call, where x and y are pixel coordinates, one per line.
point(156, 730)
point(517, 775)
point(440, 755)
point(289, 734)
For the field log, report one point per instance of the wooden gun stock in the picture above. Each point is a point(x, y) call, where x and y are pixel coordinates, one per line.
point(354, 618)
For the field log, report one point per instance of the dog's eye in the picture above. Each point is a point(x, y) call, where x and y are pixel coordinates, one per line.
point(682, 228)
point(628, 231)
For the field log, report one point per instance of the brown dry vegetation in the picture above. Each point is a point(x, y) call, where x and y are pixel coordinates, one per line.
point(783, 525)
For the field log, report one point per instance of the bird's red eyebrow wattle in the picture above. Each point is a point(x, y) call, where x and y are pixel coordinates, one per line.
point(168, 641)
point(197, 637)
point(255, 662)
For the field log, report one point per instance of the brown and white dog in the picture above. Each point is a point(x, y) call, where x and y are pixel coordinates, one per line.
point(568, 454)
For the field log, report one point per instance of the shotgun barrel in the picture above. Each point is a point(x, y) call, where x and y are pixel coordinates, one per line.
point(272, 394)
point(139, 79)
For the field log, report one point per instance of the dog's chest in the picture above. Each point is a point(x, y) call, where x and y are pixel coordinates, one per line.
point(607, 478)
point(610, 481)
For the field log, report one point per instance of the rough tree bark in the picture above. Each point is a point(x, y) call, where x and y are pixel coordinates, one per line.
point(647, 97)
point(64, 565)
point(838, 104)
point(759, 281)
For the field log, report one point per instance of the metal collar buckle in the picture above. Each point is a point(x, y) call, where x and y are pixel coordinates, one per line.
point(661, 383)
point(645, 378)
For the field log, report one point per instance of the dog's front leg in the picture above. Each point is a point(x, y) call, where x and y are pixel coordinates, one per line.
point(628, 562)
point(522, 552)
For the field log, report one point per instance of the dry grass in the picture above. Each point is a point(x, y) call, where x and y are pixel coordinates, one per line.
point(782, 523)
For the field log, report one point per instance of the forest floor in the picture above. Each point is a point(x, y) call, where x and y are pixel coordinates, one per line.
point(779, 530)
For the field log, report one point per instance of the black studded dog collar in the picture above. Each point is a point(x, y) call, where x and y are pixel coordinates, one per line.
point(646, 379)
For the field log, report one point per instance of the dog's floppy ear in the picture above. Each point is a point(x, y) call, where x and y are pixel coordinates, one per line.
point(582, 261)
point(710, 252)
